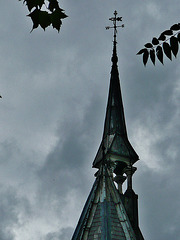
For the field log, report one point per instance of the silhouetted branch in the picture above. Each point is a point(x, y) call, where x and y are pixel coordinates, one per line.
point(166, 44)
point(52, 16)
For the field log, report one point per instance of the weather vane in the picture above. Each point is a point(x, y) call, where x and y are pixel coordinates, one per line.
point(114, 20)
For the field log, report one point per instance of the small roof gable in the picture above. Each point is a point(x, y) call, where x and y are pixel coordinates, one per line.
point(115, 147)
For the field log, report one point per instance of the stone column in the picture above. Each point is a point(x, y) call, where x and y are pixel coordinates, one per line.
point(129, 171)
point(119, 179)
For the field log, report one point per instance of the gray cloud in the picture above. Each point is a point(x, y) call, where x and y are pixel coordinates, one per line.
point(14, 209)
point(65, 234)
point(54, 89)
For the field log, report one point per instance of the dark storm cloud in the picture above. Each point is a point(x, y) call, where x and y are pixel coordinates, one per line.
point(8, 215)
point(13, 209)
point(65, 234)
point(159, 124)
point(159, 197)
point(68, 164)
point(54, 89)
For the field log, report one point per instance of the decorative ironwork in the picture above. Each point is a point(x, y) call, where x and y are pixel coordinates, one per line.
point(114, 20)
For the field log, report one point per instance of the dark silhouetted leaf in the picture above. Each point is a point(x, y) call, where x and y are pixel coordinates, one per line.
point(178, 37)
point(30, 4)
point(40, 3)
point(162, 37)
point(141, 51)
point(155, 41)
point(168, 32)
point(62, 15)
point(167, 43)
point(159, 53)
point(148, 45)
point(53, 4)
point(56, 20)
point(174, 45)
point(145, 57)
point(167, 50)
point(35, 18)
point(34, 3)
point(44, 19)
point(175, 27)
point(56, 17)
point(53, 15)
point(152, 56)
point(57, 24)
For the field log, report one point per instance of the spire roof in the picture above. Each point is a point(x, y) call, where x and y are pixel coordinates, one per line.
point(104, 216)
point(115, 139)
point(109, 214)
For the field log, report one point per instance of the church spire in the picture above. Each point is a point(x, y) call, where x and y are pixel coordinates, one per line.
point(115, 139)
point(109, 214)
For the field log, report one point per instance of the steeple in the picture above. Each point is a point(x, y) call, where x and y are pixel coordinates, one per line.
point(115, 139)
point(109, 214)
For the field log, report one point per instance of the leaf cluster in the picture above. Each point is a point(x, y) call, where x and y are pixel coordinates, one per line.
point(52, 15)
point(166, 44)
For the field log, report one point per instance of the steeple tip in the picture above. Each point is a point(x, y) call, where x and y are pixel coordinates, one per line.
point(114, 58)
point(114, 19)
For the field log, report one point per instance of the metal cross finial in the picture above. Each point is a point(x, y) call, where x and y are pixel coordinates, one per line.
point(114, 20)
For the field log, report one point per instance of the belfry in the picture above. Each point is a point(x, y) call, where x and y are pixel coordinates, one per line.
point(110, 214)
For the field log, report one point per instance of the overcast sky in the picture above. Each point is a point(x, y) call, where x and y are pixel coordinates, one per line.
point(54, 88)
